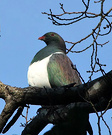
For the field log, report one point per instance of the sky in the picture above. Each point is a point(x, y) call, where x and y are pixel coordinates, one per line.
point(21, 23)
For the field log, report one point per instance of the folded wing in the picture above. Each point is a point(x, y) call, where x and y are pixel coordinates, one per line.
point(61, 72)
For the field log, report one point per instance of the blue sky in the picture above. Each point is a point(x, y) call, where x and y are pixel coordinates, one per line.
point(21, 23)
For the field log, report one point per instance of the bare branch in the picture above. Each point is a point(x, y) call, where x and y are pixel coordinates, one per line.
point(11, 123)
point(61, 19)
point(16, 97)
point(57, 114)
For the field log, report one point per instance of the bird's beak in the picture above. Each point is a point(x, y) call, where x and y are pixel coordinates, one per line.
point(41, 38)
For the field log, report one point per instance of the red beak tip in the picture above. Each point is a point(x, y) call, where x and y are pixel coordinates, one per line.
point(41, 38)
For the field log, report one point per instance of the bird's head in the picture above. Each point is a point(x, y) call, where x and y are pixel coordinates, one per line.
point(53, 39)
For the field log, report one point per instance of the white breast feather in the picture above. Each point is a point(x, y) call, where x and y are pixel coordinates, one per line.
point(37, 73)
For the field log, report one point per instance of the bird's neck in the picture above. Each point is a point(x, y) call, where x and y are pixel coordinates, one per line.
point(45, 52)
point(60, 46)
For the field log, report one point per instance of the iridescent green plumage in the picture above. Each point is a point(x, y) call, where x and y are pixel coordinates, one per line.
point(61, 72)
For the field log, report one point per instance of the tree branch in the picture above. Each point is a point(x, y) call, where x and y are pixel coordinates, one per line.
point(57, 114)
point(90, 92)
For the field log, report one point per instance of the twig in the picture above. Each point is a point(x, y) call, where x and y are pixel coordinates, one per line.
point(26, 117)
point(106, 125)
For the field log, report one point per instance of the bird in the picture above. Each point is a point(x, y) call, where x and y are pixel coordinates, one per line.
point(51, 67)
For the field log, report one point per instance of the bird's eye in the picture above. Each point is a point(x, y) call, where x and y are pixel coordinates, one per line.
point(52, 35)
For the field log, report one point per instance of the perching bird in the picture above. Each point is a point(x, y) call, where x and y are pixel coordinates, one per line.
point(51, 67)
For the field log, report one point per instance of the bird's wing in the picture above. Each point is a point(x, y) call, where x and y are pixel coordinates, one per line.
point(61, 72)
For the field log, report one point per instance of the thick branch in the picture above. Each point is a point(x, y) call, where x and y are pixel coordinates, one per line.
point(6, 114)
point(57, 114)
point(63, 95)
point(92, 91)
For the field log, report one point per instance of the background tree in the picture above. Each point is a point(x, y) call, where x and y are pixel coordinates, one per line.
point(101, 28)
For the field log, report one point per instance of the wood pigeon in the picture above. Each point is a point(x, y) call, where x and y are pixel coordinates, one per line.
point(51, 67)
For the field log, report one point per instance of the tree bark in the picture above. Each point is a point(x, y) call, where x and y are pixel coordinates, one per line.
point(89, 93)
